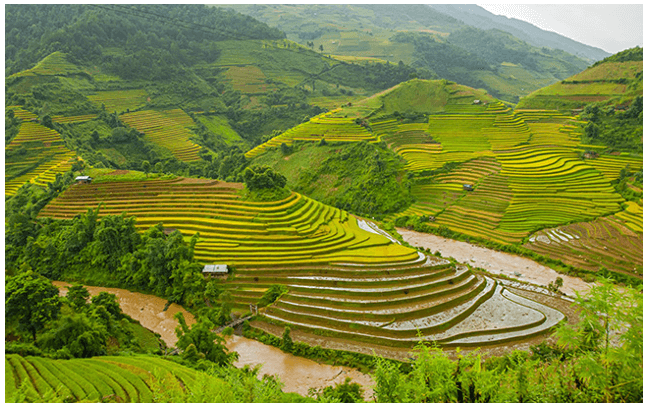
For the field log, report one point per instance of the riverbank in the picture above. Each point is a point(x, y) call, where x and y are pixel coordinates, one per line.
point(145, 308)
point(495, 262)
point(296, 373)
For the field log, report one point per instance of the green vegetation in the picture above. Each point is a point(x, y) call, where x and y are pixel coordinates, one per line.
point(171, 108)
point(40, 323)
point(615, 81)
point(233, 229)
point(582, 367)
point(365, 179)
point(620, 130)
point(135, 379)
point(425, 38)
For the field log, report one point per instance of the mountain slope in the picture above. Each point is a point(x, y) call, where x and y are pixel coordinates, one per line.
point(121, 85)
point(421, 36)
point(615, 80)
point(476, 16)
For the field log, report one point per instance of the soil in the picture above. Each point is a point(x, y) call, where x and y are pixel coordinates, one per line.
point(118, 172)
point(495, 262)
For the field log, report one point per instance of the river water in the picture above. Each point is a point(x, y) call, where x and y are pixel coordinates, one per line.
point(496, 262)
point(296, 373)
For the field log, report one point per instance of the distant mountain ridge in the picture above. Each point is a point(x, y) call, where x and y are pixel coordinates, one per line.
point(479, 17)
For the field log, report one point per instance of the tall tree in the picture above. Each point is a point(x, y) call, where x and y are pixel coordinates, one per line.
point(31, 300)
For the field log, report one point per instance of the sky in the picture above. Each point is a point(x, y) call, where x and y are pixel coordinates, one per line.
point(612, 28)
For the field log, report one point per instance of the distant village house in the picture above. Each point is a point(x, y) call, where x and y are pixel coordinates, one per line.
point(216, 269)
point(83, 179)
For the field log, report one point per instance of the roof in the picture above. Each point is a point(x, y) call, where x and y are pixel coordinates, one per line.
point(215, 268)
point(83, 178)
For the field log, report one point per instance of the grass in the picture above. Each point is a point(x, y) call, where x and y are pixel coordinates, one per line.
point(219, 125)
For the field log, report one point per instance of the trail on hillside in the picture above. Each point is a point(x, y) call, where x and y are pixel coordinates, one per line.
point(495, 262)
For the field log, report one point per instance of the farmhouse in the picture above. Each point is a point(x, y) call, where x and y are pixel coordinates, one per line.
point(83, 179)
point(469, 188)
point(215, 269)
point(169, 230)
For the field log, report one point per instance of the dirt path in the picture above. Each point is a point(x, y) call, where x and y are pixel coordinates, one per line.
point(495, 262)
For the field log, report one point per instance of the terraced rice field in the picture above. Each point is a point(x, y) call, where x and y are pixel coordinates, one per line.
point(326, 126)
point(120, 101)
point(552, 186)
point(20, 113)
point(54, 64)
point(611, 165)
point(248, 79)
point(168, 129)
point(395, 306)
point(535, 177)
point(343, 278)
point(120, 378)
point(605, 242)
point(461, 133)
point(296, 230)
point(44, 156)
point(73, 119)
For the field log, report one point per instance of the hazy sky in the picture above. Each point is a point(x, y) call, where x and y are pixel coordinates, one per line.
point(612, 28)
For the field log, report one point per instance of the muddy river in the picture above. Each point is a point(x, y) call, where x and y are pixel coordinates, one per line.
point(495, 262)
point(296, 373)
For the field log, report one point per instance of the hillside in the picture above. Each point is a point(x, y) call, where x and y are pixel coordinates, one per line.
point(478, 17)
point(128, 379)
point(204, 93)
point(507, 66)
point(527, 169)
point(312, 249)
point(616, 80)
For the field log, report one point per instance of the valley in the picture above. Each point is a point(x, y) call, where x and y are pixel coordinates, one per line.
point(384, 192)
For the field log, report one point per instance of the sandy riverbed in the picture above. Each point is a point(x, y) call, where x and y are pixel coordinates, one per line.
point(495, 262)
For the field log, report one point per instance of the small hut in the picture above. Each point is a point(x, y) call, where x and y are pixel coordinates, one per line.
point(469, 188)
point(216, 269)
point(83, 179)
point(168, 231)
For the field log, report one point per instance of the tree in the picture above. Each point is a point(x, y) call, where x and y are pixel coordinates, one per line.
point(76, 335)
point(321, 47)
point(608, 365)
point(347, 392)
point(96, 138)
point(287, 344)
point(31, 300)
point(146, 167)
point(203, 339)
point(78, 297)
point(109, 302)
point(263, 177)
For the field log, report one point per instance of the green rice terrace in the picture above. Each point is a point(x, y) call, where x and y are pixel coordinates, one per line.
point(525, 170)
point(35, 155)
point(114, 379)
point(334, 266)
